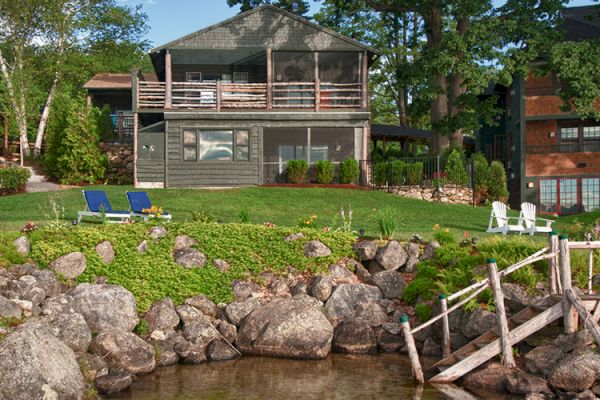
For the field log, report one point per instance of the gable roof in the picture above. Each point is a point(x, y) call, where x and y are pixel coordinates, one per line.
point(581, 23)
point(266, 26)
point(115, 81)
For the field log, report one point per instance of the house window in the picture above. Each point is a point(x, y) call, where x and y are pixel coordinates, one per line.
point(242, 148)
point(240, 77)
point(318, 153)
point(216, 145)
point(568, 196)
point(569, 133)
point(190, 146)
point(193, 76)
point(591, 132)
point(548, 193)
point(590, 194)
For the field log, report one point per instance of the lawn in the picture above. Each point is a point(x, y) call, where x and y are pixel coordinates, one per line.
point(281, 206)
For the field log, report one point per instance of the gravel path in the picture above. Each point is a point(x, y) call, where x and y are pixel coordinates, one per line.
point(39, 183)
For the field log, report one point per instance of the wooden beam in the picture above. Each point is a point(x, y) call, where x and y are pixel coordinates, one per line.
point(569, 312)
point(317, 83)
point(135, 89)
point(590, 271)
point(135, 148)
point(507, 354)
point(586, 317)
point(168, 80)
point(553, 263)
point(218, 96)
point(446, 346)
point(365, 81)
point(269, 78)
point(417, 371)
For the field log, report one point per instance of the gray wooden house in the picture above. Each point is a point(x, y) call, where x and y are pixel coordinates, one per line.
point(241, 98)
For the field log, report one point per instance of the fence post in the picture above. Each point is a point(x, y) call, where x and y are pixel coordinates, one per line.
point(446, 346)
point(120, 126)
point(569, 312)
point(552, 263)
point(507, 355)
point(590, 265)
point(412, 350)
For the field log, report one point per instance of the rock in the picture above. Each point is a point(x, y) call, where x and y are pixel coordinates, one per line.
point(36, 365)
point(22, 269)
point(189, 258)
point(47, 281)
point(162, 316)
point(478, 322)
point(218, 350)
point(204, 304)
point(294, 236)
point(575, 341)
point(142, 247)
point(522, 384)
point(489, 378)
point(105, 251)
point(238, 310)
point(61, 304)
point(413, 250)
point(183, 241)
point(113, 382)
point(289, 328)
point(70, 265)
point(341, 274)
point(124, 351)
point(221, 265)
point(576, 372)
point(354, 336)
point(457, 340)
point(189, 314)
point(105, 306)
point(363, 274)
point(375, 267)
point(390, 283)
point(348, 300)
point(71, 329)
point(245, 289)
point(314, 248)
point(541, 360)
point(26, 306)
point(299, 288)
point(320, 287)
point(157, 232)
point(9, 309)
point(200, 333)
point(389, 342)
point(366, 250)
point(22, 245)
point(374, 313)
point(431, 348)
point(391, 256)
point(92, 366)
point(429, 250)
point(411, 264)
point(280, 288)
point(228, 331)
point(517, 298)
point(586, 395)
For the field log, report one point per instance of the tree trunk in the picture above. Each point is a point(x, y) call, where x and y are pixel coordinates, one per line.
point(39, 138)
point(22, 108)
point(457, 87)
point(18, 107)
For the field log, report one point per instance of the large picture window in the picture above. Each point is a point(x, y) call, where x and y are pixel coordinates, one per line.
point(548, 192)
point(216, 145)
point(569, 195)
point(590, 194)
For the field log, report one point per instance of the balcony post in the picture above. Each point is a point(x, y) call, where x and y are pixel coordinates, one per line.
point(365, 81)
point(269, 78)
point(218, 96)
point(168, 80)
point(120, 123)
point(317, 83)
point(135, 87)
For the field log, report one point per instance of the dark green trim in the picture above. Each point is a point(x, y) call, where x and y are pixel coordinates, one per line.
point(551, 117)
point(442, 296)
point(404, 318)
point(552, 233)
point(563, 237)
point(491, 261)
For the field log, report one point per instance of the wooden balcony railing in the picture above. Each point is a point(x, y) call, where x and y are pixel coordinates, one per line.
point(589, 145)
point(229, 96)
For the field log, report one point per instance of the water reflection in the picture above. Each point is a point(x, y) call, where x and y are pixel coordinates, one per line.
point(387, 376)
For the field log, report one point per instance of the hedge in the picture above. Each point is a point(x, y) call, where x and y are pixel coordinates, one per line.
point(13, 179)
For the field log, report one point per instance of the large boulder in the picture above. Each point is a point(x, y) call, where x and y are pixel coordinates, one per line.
point(189, 314)
point(320, 287)
point(576, 372)
point(162, 316)
point(290, 328)
point(245, 289)
point(543, 359)
point(490, 378)
point(219, 350)
point(390, 283)
point(524, 384)
point(354, 336)
point(341, 274)
point(36, 365)
point(9, 309)
point(124, 351)
point(105, 306)
point(70, 265)
point(238, 310)
point(349, 300)
point(189, 258)
point(47, 280)
point(183, 241)
point(314, 248)
point(478, 322)
point(157, 232)
point(429, 250)
point(366, 250)
point(517, 298)
point(113, 382)
point(105, 251)
point(204, 304)
point(392, 255)
point(71, 329)
point(22, 245)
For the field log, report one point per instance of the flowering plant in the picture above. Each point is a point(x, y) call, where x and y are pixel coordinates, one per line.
point(154, 211)
point(269, 224)
point(29, 227)
point(309, 222)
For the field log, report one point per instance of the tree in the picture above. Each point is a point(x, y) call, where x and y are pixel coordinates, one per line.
point(298, 7)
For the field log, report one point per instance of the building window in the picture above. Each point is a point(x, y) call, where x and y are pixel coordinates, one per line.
point(216, 145)
point(242, 148)
point(193, 76)
point(569, 133)
point(548, 196)
point(190, 146)
point(590, 194)
point(319, 153)
point(591, 132)
point(568, 196)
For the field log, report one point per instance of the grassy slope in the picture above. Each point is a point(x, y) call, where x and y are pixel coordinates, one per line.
point(282, 206)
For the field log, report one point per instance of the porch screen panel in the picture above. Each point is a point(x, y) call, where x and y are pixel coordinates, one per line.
point(279, 146)
point(339, 67)
point(568, 196)
point(548, 196)
point(337, 144)
point(293, 66)
point(590, 193)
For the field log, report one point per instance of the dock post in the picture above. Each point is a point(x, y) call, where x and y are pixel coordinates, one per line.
point(553, 275)
point(417, 371)
point(569, 312)
point(446, 346)
point(507, 355)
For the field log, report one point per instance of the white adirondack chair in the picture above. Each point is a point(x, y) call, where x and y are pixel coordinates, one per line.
point(500, 222)
point(528, 215)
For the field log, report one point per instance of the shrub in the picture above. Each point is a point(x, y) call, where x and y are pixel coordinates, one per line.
point(380, 173)
point(414, 173)
point(455, 168)
point(497, 187)
point(423, 312)
point(13, 179)
point(481, 177)
point(349, 171)
point(297, 171)
point(386, 223)
point(325, 171)
point(397, 172)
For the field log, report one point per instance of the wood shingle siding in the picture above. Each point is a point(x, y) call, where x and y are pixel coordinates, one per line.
point(150, 170)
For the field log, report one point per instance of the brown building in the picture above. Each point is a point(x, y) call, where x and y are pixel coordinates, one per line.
point(552, 157)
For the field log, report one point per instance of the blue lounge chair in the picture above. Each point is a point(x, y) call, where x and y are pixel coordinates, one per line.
point(97, 205)
point(139, 201)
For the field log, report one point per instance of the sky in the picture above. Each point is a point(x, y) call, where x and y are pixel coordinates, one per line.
point(172, 19)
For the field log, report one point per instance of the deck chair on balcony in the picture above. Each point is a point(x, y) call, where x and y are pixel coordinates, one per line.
point(97, 205)
point(500, 221)
point(138, 202)
point(528, 215)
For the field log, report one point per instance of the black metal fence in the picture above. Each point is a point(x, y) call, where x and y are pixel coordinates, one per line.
point(118, 128)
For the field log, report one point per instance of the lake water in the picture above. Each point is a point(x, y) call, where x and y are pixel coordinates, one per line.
point(339, 376)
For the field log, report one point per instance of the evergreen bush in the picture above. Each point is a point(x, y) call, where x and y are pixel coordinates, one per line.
point(324, 171)
point(414, 173)
point(349, 171)
point(380, 173)
point(481, 177)
point(397, 172)
point(297, 171)
point(497, 189)
point(13, 179)
point(456, 169)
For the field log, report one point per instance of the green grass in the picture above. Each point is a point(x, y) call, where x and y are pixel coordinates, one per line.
point(281, 206)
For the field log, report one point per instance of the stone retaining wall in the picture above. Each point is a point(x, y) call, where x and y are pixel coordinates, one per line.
point(451, 194)
point(120, 162)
